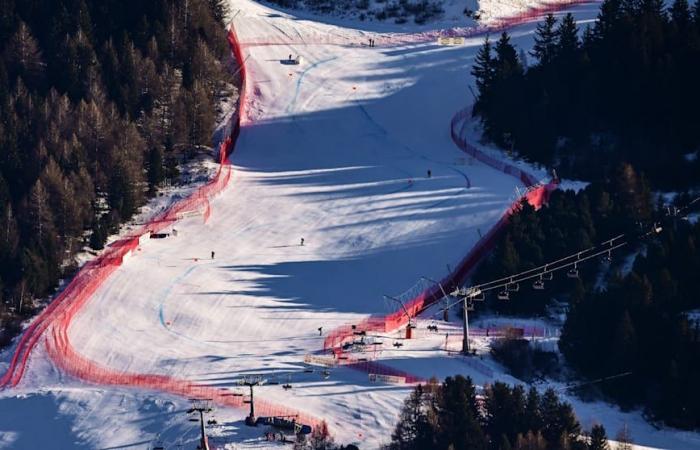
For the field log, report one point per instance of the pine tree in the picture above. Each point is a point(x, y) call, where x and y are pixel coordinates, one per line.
point(599, 440)
point(544, 48)
point(458, 415)
point(624, 345)
point(567, 37)
point(608, 18)
point(484, 69)
point(680, 14)
point(25, 58)
point(410, 420)
point(533, 413)
point(507, 63)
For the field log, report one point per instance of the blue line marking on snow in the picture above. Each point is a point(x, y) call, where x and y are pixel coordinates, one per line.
point(301, 80)
point(164, 295)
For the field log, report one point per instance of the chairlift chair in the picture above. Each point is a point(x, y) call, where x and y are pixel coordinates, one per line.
point(504, 295)
point(608, 257)
point(538, 285)
point(480, 297)
point(572, 273)
point(547, 276)
point(513, 287)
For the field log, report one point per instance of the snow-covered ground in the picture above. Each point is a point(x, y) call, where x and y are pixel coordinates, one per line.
point(335, 151)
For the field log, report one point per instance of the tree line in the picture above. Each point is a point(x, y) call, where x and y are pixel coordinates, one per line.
point(450, 416)
point(637, 315)
point(622, 90)
point(100, 103)
point(612, 105)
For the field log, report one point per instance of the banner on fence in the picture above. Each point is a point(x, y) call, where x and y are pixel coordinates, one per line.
point(444, 40)
point(378, 377)
point(320, 360)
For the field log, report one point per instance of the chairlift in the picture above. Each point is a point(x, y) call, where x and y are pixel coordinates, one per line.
point(504, 295)
point(608, 257)
point(547, 276)
point(572, 273)
point(480, 297)
point(513, 287)
point(538, 285)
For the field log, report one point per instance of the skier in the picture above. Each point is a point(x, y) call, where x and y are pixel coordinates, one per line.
point(430, 173)
point(290, 57)
point(212, 254)
point(302, 242)
point(320, 331)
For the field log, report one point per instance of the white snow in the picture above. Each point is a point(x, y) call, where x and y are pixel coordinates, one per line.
point(335, 151)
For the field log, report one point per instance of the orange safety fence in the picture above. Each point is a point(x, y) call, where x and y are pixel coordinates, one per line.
point(537, 194)
point(527, 15)
point(58, 316)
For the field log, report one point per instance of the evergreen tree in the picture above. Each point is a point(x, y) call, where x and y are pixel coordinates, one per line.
point(544, 48)
point(507, 64)
point(680, 13)
point(624, 345)
point(599, 440)
point(458, 415)
point(567, 37)
point(484, 70)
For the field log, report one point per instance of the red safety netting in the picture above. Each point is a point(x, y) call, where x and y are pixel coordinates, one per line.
point(537, 194)
point(58, 316)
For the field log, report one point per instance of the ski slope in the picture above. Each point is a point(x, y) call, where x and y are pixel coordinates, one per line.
point(335, 151)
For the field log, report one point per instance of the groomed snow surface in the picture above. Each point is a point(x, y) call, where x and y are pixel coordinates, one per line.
point(336, 151)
